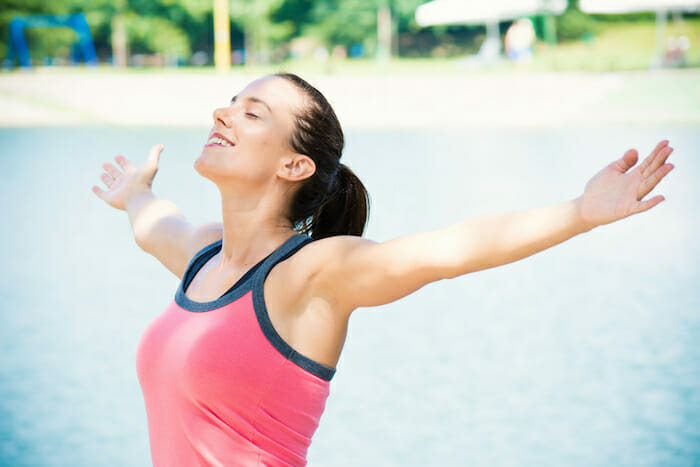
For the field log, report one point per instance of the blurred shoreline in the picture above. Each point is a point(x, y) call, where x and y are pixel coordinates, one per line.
point(70, 96)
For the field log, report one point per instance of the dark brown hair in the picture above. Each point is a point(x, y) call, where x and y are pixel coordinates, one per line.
point(333, 201)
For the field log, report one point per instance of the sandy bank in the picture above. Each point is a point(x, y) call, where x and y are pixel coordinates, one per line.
point(83, 97)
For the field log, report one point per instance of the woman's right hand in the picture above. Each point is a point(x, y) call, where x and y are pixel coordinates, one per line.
point(122, 185)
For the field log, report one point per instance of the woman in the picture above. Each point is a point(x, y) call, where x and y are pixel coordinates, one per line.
point(236, 370)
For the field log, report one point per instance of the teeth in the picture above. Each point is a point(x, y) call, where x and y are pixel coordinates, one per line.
point(217, 140)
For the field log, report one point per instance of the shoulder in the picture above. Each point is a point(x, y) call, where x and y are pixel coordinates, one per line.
point(204, 235)
point(338, 245)
point(320, 255)
point(315, 256)
point(311, 271)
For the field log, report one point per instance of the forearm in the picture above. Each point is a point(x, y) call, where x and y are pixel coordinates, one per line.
point(496, 239)
point(145, 211)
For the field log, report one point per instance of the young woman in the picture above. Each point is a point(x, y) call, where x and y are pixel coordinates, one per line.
point(236, 370)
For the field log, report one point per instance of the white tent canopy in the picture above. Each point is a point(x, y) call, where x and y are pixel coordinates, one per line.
point(631, 6)
point(480, 11)
point(489, 12)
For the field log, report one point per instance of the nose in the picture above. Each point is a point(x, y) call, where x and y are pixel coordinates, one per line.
point(221, 115)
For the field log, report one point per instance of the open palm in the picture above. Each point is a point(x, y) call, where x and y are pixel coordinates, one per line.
point(132, 180)
point(617, 192)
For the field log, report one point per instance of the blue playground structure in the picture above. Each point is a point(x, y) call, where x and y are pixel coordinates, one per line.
point(17, 44)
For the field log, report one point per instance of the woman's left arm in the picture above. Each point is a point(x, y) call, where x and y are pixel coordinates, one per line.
point(366, 273)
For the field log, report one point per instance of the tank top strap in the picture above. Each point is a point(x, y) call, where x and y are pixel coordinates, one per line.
point(198, 260)
point(284, 251)
point(280, 254)
point(244, 284)
point(287, 249)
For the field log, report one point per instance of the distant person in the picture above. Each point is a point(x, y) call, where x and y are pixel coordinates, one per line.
point(237, 368)
point(676, 51)
point(518, 41)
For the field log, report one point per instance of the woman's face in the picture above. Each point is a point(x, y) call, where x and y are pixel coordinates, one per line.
point(257, 125)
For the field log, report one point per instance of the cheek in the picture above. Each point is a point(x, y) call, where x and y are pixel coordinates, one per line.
point(262, 153)
point(254, 159)
point(262, 141)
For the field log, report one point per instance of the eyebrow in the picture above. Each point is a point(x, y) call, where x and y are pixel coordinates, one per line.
point(254, 99)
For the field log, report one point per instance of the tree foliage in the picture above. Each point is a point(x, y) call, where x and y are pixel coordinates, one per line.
point(181, 27)
point(573, 24)
point(166, 26)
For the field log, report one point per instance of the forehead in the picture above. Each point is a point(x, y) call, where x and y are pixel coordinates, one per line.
point(280, 95)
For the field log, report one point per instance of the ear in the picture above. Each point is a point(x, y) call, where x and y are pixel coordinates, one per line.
point(297, 167)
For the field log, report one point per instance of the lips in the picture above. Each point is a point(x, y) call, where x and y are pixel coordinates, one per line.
point(219, 135)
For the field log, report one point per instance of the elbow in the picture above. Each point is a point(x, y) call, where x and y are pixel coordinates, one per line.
point(455, 268)
point(143, 233)
point(450, 272)
point(440, 271)
point(141, 241)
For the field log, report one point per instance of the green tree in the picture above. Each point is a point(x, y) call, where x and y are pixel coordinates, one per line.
point(348, 22)
point(344, 22)
point(573, 24)
point(262, 30)
point(167, 26)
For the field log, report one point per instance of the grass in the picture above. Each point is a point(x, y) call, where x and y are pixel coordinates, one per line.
point(618, 46)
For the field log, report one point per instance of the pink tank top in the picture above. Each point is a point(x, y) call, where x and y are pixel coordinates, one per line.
point(221, 387)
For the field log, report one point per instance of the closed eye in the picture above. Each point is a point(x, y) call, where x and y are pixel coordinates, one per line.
point(252, 115)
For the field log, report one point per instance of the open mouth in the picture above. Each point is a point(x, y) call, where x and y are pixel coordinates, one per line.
point(216, 140)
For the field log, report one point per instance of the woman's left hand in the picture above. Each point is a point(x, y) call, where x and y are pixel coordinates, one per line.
point(616, 191)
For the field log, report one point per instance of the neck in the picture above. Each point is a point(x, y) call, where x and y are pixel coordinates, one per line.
point(253, 228)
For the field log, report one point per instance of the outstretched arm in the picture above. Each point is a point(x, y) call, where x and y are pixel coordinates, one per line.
point(366, 273)
point(159, 227)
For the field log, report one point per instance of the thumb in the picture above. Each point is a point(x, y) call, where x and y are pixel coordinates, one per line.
point(151, 164)
point(626, 162)
point(150, 168)
point(154, 156)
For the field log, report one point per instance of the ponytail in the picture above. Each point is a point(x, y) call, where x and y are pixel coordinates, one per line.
point(333, 201)
point(345, 210)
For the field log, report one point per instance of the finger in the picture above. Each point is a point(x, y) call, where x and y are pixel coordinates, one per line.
point(626, 162)
point(643, 166)
point(124, 163)
point(107, 179)
point(98, 191)
point(650, 182)
point(111, 169)
point(658, 161)
point(648, 204)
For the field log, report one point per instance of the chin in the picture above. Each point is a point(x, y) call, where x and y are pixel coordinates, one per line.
point(211, 169)
point(204, 168)
point(198, 164)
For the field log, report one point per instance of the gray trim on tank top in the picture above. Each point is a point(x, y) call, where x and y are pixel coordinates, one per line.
point(240, 288)
point(254, 280)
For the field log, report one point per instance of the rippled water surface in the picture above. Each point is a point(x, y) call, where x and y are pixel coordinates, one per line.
point(586, 354)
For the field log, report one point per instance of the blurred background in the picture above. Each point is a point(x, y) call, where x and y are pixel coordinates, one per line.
point(583, 355)
point(350, 34)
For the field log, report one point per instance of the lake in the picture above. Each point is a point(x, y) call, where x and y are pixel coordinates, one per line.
point(583, 355)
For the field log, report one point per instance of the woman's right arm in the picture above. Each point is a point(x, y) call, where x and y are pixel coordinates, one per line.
point(159, 227)
point(161, 230)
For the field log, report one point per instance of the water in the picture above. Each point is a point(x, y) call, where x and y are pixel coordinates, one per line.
point(585, 354)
